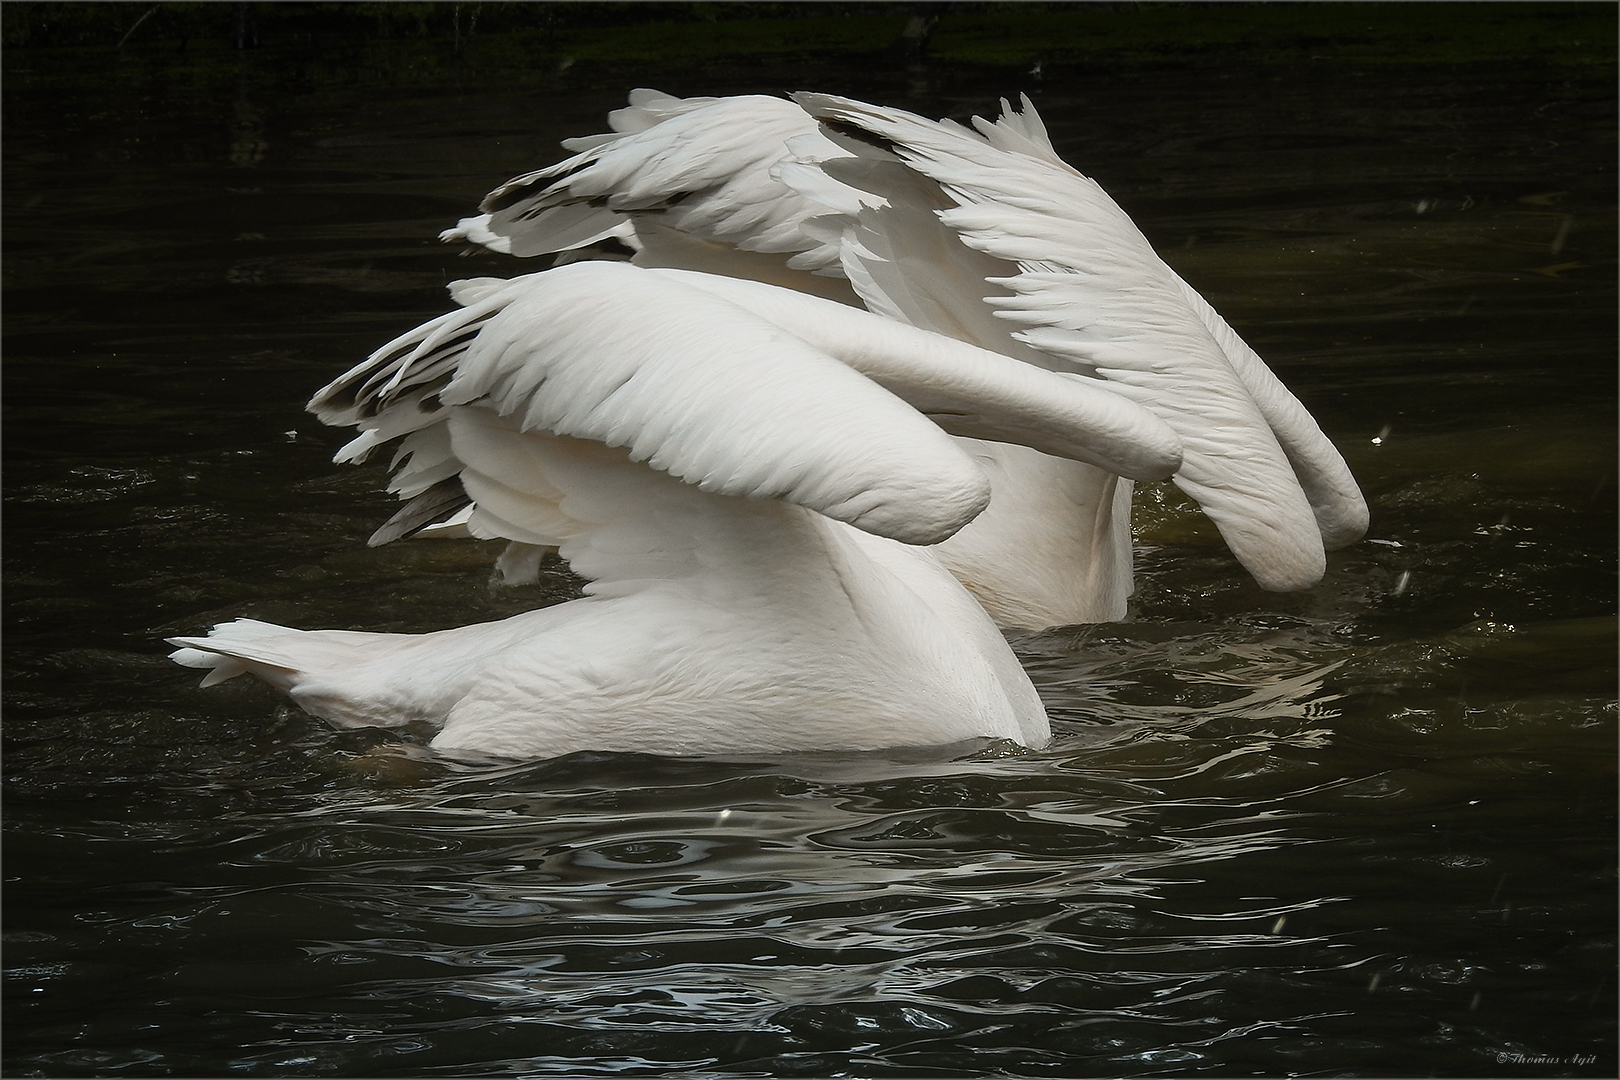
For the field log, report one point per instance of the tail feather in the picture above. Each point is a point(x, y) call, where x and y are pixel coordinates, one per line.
point(220, 667)
point(244, 646)
point(349, 678)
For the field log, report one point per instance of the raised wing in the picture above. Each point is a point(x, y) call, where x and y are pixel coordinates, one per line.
point(685, 170)
point(736, 387)
point(1082, 286)
point(687, 383)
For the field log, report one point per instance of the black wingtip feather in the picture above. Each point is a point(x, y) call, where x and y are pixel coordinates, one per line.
point(432, 506)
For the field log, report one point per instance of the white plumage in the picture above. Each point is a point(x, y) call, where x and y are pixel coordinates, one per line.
point(754, 473)
point(987, 236)
point(737, 472)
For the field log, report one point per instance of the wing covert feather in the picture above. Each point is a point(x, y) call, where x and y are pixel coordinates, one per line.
point(692, 385)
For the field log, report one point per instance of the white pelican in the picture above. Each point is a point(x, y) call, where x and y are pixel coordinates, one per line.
point(986, 235)
point(741, 472)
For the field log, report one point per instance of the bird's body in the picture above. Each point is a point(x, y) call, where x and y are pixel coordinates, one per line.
point(752, 625)
point(869, 381)
point(736, 470)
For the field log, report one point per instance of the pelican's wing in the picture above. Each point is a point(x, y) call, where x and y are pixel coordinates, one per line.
point(544, 227)
point(735, 387)
point(698, 168)
point(1087, 290)
point(688, 383)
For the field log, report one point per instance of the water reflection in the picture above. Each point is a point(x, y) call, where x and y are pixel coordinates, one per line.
point(799, 916)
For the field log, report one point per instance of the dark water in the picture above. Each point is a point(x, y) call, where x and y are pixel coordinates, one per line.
point(1367, 830)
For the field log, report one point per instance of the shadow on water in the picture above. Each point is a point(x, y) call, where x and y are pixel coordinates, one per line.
point(1364, 830)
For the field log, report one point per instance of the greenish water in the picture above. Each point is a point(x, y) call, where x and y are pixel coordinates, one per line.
point(1367, 830)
